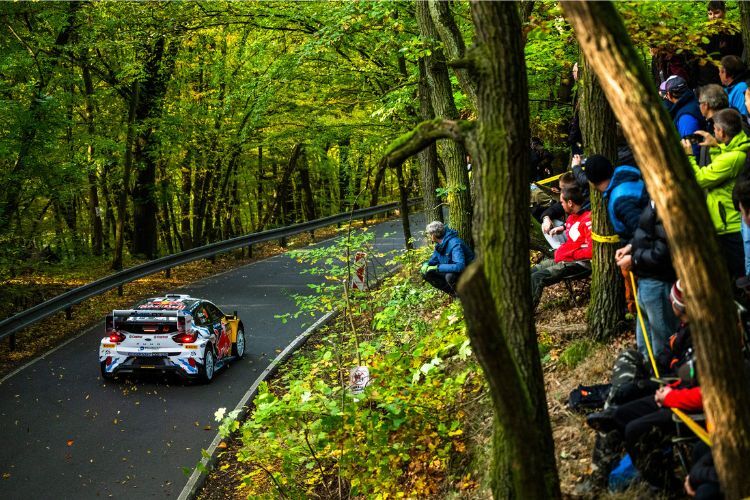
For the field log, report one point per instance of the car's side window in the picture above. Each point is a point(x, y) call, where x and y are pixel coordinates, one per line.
point(214, 313)
point(201, 314)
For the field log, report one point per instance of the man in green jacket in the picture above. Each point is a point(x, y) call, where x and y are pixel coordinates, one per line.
point(728, 152)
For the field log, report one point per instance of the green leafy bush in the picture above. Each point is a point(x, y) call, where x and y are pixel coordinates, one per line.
point(309, 435)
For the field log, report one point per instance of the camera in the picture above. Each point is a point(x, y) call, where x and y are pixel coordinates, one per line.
point(694, 138)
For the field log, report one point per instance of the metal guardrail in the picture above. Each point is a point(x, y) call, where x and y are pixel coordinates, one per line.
point(65, 301)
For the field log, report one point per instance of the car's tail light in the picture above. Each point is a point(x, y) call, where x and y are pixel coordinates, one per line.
point(116, 337)
point(183, 337)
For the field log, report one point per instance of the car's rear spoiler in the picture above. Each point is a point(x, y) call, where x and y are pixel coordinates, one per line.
point(147, 314)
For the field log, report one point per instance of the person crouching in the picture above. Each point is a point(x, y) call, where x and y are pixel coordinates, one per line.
point(448, 260)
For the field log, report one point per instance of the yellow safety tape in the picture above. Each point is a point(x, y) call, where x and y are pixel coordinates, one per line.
point(549, 179)
point(601, 238)
point(692, 424)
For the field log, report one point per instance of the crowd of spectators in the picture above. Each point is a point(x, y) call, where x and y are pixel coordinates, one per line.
point(708, 104)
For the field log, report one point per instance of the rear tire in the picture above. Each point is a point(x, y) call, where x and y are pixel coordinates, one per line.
point(105, 375)
point(238, 348)
point(207, 371)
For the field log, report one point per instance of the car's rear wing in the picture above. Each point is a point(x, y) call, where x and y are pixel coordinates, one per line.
point(149, 315)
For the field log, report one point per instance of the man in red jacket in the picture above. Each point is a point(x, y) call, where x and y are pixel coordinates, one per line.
point(574, 256)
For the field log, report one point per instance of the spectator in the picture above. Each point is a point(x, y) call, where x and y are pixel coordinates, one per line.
point(574, 256)
point(665, 62)
point(448, 260)
point(624, 195)
point(711, 99)
point(541, 160)
point(728, 155)
point(684, 108)
point(732, 75)
point(647, 425)
point(703, 481)
point(648, 257)
point(623, 192)
point(721, 43)
point(555, 212)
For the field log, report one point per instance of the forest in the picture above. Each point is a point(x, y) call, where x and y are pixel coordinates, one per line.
point(134, 130)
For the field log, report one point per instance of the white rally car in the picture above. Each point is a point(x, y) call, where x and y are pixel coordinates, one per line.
point(175, 333)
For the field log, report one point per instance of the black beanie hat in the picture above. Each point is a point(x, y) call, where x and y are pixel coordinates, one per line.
point(598, 169)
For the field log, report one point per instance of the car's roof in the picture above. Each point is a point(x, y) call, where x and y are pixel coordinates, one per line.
point(168, 302)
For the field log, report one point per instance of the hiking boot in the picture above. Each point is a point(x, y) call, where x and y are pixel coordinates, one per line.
point(602, 421)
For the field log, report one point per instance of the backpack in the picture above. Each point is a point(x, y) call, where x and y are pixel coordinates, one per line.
point(587, 398)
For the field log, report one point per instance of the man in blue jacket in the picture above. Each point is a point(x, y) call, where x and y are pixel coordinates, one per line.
point(684, 108)
point(448, 261)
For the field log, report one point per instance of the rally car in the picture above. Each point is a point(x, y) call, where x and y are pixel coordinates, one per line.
point(175, 333)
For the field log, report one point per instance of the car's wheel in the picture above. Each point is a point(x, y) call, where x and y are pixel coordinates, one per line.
point(105, 375)
point(238, 348)
point(208, 369)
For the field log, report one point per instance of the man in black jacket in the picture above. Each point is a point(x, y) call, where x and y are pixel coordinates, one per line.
point(647, 256)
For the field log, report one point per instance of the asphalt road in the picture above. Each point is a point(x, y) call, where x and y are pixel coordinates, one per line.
point(68, 434)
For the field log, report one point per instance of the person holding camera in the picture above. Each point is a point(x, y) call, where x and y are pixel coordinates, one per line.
point(684, 108)
point(728, 148)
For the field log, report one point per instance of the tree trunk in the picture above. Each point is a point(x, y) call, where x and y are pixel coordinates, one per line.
point(344, 174)
point(455, 48)
point(122, 193)
point(10, 194)
point(308, 203)
point(95, 219)
point(745, 25)
point(428, 158)
point(598, 125)
point(281, 195)
point(682, 207)
point(524, 467)
point(187, 189)
point(159, 65)
point(454, 154)
point(404, 206)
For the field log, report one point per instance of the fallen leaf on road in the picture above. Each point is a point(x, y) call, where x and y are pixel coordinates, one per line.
point(70, 442)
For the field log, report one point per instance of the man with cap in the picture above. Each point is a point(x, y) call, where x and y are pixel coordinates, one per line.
point(448, 260)
point(684, 108)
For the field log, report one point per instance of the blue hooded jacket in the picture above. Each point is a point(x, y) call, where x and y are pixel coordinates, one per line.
point(625, 197)
point(451, 255)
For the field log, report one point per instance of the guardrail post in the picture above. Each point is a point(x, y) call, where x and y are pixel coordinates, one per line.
point(282, 242)
point(312, 235)
point(69, 313)
point(250, 251)
point(212, 259)
point(168, 272)
point(12, 342)
point(119, 290)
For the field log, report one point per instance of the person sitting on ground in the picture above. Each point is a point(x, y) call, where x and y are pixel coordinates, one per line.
point(646, 424)
point(574, 255)
point(448, 260)
point(732, 73)
point(647, 256)
point(728, 154)
point(683, 108)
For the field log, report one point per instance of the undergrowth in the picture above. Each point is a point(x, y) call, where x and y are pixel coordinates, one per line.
point(403, 435)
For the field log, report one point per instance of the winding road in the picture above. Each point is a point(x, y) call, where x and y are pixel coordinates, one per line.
point(68, 434)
